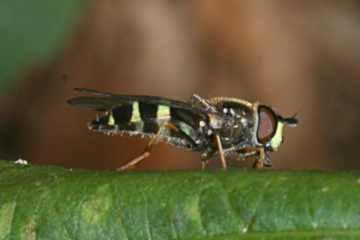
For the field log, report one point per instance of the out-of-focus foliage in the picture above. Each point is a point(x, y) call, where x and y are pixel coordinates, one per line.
point(297, 56)
point(55, 203)
point(31, 31)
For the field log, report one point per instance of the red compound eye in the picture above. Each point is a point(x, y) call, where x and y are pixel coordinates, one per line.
point(267, 124)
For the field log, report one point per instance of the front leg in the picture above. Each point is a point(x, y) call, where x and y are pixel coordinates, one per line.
point(263, 160)
point(206, 156)
point(259, 163)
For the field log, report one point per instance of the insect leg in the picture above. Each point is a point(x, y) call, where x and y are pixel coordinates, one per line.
point(206, 156)
point(260, 162)
point(148, 148)
point(144, 155)
point(243, 155)
point(204, 163)
point(221, 152)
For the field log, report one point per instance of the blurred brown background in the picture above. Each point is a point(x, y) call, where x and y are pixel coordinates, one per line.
point(298, 56)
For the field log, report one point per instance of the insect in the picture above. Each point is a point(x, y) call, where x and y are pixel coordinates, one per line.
point(220, 125)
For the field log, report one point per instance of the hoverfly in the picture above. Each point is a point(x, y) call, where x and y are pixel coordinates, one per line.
point(220, 125)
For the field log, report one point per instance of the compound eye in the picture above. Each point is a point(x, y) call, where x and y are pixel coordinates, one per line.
point(267, 124)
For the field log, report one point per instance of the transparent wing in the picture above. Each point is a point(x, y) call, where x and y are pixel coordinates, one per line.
point(103, 101)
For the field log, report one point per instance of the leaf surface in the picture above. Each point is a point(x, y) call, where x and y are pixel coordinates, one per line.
point(56, 203)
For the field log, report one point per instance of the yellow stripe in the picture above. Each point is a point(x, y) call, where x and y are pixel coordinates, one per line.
point(135, 116)
point(163, 112)
point(111, 121)
point(277, 138)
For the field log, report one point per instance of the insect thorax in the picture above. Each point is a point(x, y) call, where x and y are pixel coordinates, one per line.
point(238, 129)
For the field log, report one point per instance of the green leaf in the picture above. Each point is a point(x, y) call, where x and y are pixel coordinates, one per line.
point(56, 203)
point(32, 31)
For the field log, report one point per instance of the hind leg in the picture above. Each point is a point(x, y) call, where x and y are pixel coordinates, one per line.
point(140, 158)
point(146, 153)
